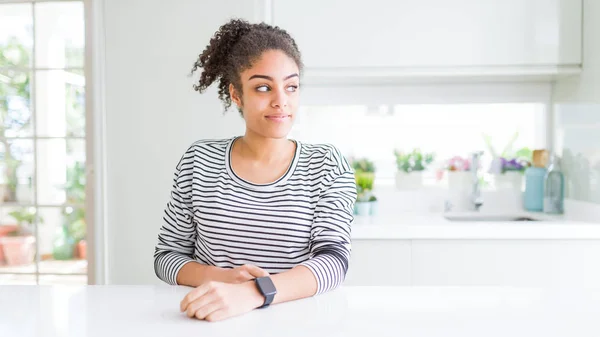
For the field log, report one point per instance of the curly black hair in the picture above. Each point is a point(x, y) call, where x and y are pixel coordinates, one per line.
point(234, 48)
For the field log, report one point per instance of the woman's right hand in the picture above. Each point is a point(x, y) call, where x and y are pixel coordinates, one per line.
point(242, 274)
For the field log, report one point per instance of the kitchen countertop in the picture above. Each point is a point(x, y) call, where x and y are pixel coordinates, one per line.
point(118, 311)
point(435, 226)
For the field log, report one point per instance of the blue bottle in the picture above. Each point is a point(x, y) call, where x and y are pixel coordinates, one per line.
point(554, 188)
point(533, 197)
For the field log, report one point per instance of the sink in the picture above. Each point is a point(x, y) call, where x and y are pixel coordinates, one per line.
point(488, 217)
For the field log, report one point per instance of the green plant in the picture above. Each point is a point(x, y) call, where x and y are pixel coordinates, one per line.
point(362, 197)
point(364, 180)
point(372, 198)
point(364, 174)
point(523, 154)
point(75, 185)
point(14, 88)
point(363, 165)
point(413, 161)
point(74, 216)
point(509, 159)
point(75, 224)
point(12, 181)
point(63, 245)
point(25, 217)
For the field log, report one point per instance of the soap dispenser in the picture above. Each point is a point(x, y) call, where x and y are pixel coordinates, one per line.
point(554, 187)
point(535, 175)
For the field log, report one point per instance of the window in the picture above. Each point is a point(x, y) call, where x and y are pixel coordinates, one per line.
point(42, 142)
point(447, 130)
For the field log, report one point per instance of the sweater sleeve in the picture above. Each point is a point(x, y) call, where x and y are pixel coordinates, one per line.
point(177, 235)
point(330, 243)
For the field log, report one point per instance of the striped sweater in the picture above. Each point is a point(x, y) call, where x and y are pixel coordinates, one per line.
point(216, 218)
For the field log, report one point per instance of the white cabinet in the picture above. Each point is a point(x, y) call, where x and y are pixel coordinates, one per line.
point(506, 262)
point(384, 35)
point(475, 263)
point(379, 262)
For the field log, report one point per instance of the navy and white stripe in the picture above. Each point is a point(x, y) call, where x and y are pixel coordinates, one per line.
point(216, 218)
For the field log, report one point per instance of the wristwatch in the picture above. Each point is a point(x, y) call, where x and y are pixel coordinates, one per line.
point(267, 289)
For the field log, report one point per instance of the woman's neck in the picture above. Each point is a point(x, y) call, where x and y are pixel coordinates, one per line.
point(264, 150)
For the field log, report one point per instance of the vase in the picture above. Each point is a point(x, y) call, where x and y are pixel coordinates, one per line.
point(509, 180)
point(81, 249)
point(460, 180)
point(373, 207)
point(409, 181)
point(18, 250)
point(460, 184)
point(362, 208)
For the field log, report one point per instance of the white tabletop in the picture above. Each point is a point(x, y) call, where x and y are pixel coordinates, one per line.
point(143, 311)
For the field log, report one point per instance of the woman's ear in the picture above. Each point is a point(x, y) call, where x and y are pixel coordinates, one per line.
point(235, 97)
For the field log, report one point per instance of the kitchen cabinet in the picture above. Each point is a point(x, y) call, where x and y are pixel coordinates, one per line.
point(379, 262)
point(475, 262)
point(385, 38)
point(506, 262)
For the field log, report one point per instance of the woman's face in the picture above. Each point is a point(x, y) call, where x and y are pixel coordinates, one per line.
point(270, 95)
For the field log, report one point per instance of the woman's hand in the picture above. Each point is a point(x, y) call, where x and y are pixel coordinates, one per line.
point(215, 301)
point(195, 274)
point(241, 274)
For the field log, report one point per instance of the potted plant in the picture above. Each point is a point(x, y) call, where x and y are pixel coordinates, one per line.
point(80, 239)
point(458, 170)
point(15, 116)
point(363, 165)
point(18, 246)
point(76, 228)
point(63, 244)
point(70, 240)
point(5, 229)
point(509, 166)
point(362, 205)
point(372, 205)
point(510, 174)
point(410, 168)
point(9, 190)
point(364, 173)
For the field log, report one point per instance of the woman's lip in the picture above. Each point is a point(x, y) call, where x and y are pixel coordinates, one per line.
point(277, 118)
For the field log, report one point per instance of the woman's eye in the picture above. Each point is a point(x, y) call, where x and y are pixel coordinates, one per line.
point(265, 88)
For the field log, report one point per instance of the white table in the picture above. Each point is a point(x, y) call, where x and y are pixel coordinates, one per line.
point(143, 311)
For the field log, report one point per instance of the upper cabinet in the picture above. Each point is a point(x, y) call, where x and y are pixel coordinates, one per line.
point(436, 37)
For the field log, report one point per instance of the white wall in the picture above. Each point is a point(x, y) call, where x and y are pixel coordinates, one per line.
point(152, 115)
point(577, 123)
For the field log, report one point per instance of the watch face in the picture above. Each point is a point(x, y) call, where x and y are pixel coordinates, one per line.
point(266, 285)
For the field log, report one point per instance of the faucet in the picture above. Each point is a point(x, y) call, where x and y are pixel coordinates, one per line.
point(475, 199)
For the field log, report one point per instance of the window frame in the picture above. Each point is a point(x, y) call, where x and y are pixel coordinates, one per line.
point(89, 205)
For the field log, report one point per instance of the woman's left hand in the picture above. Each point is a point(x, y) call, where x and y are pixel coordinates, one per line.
point(215, 301)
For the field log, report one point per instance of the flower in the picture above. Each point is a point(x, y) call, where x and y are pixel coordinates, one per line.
point(514, 164)
point(458, 163)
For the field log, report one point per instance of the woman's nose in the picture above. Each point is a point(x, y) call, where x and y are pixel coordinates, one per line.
point(279, 99)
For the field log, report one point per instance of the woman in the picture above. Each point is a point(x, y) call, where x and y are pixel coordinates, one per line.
point(261, 218)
